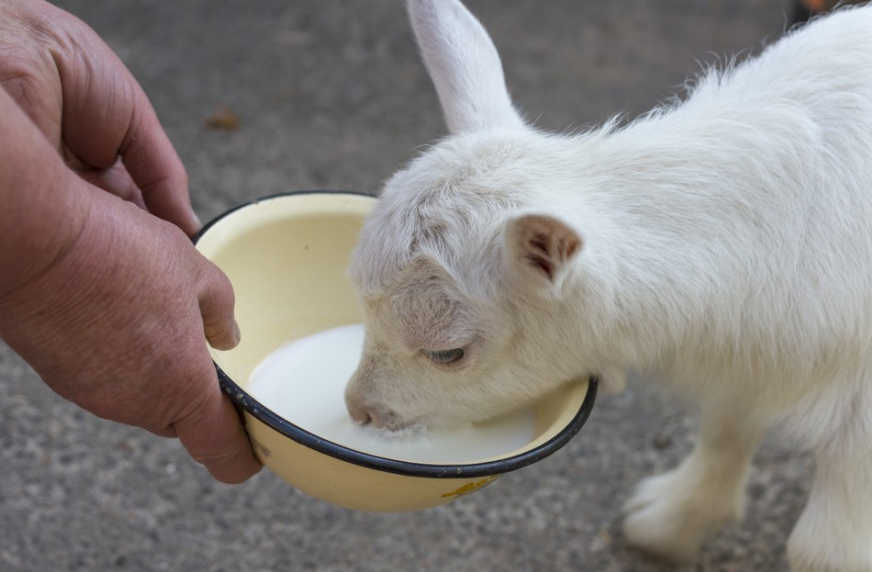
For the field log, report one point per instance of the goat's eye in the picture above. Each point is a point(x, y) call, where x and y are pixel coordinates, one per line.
point(443, 356)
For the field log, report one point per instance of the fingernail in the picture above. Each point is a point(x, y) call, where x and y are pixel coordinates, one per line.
point(237, 332)
point(196, 220)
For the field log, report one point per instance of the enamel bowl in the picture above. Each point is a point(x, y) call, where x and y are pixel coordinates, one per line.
point(286, 256)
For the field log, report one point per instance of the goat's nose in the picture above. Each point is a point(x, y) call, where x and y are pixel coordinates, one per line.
point(375, 416)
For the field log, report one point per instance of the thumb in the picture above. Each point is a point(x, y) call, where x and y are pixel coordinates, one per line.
point(216, 307)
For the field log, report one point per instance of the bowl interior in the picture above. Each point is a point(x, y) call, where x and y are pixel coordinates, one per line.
point(287, 259)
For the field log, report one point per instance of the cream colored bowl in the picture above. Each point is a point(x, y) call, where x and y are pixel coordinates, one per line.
point(286, 256)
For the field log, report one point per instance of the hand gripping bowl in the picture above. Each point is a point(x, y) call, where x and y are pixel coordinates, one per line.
point(286, 256)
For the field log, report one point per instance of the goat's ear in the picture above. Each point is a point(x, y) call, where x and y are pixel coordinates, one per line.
point(464, 66)
point(540, 248)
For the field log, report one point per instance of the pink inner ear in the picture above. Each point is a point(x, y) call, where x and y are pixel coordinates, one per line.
point(549, 246)
point(538, 256)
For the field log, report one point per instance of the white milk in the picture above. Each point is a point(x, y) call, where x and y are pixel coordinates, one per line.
point(304, 382)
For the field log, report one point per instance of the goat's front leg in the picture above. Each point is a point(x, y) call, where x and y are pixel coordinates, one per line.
point(672, 514)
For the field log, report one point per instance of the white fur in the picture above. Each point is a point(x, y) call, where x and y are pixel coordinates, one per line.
point(722, 244)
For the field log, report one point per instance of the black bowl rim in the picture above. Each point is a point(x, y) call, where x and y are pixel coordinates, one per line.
point(245, 403)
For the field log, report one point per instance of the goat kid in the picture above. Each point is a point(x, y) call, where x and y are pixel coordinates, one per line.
point(722, 244)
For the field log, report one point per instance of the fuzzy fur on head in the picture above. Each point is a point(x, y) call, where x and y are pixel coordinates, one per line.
point(435, 272)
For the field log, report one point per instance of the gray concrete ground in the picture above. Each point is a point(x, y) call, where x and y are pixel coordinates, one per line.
point(331, 95)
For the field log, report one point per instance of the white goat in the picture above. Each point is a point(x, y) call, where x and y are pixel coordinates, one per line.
point(722, 245)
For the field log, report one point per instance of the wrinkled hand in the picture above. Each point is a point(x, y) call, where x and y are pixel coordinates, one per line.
point(110, 304)
point(117, 326)
point(91, 109)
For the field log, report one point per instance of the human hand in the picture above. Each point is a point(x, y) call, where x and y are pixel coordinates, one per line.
point(91, 109)
point(110, 305)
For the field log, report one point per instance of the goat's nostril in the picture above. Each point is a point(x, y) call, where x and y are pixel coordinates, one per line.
point(360, 416)
point(356, 410)
point(376, 419)
point(383, 418)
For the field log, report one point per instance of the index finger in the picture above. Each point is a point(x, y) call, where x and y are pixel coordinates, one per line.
point(156, 168)
point(107, 115)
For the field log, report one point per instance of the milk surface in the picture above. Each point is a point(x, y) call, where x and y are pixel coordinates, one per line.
point(304, 382)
